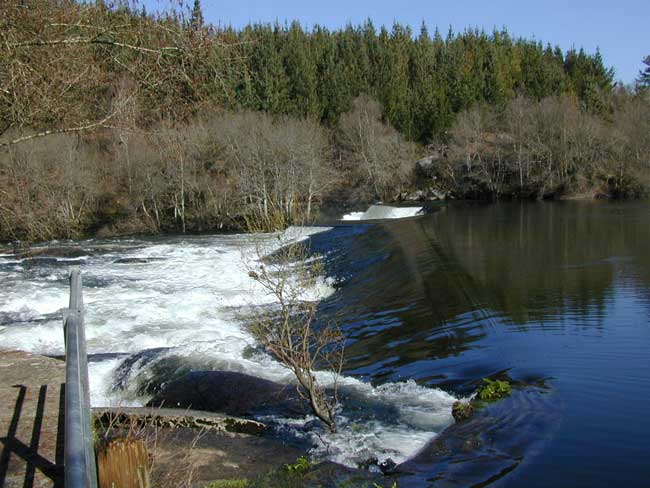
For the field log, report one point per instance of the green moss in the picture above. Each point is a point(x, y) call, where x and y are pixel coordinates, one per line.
point(235, 483)
point(492, 390)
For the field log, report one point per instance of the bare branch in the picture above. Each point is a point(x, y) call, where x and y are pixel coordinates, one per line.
point(94, 125)
point(90, 40)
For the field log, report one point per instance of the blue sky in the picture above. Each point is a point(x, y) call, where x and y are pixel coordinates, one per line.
point(621, 29)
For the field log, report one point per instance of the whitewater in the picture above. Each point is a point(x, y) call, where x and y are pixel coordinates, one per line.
point(383, 212)
point(184, 297)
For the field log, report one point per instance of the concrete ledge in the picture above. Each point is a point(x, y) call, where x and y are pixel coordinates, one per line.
point(175, 418)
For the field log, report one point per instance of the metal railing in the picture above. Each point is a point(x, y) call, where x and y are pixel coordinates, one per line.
point(80, 467)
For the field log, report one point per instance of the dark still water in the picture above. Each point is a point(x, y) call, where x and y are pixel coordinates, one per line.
point(554, 295)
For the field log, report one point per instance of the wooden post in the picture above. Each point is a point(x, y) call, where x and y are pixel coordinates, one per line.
point(124, 463)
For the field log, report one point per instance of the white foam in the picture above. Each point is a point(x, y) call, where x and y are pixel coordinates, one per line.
point(353, 216)
point(101, 374)
point(379, 212)
point(422, 413)
point(181, 298)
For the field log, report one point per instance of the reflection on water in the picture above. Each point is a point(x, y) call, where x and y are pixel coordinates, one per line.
point(540, 290)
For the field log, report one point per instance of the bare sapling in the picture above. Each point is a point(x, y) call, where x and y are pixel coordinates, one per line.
point(290, 333)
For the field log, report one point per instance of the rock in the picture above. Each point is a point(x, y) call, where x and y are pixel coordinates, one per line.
point(41, 262)
point(422, 195)
point(69, 252)
point(230, 393)
point(415, 196)
point(368, 463)
point(388, 466)
point(462, 411)
point(434, 194)
point(131, 261)
point(426, 163)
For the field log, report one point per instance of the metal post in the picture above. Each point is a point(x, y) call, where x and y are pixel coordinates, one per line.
point(80, 467)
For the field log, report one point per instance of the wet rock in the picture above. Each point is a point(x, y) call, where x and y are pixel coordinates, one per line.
point(472, 444)
point(368, 463)
point(462, 411)
point(388, 466)
point(160, 370)
point(230, 393)
point(131, 261)
point(39, 262)
point(22, 250)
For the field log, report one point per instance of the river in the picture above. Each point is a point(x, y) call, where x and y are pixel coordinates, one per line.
point(555, 295)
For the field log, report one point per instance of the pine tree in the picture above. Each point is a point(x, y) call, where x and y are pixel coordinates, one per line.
point(196, 21)
point(393, 87)
point(331, 87)
point(300, 67)
point(424, 109)
point(644, 75)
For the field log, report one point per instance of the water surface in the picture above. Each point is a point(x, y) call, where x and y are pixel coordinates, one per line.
point(555, 295)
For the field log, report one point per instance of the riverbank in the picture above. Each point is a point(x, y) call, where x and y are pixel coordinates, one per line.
point(207, 446)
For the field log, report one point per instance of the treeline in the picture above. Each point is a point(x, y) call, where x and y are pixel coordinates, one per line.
point(421, 80)
point(116, 120)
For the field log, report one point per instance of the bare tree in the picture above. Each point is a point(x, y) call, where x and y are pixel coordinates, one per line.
point(477, 149)
point(280, 167)
point(375, 150)
point(49, 188)
point(290, 332)
point(518, 123)
point(62, 62)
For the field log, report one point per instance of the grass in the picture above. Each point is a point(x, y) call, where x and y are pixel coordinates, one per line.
point(301, 474)
point(300, 466)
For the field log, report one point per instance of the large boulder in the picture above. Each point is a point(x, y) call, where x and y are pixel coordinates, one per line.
point(230, 393)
